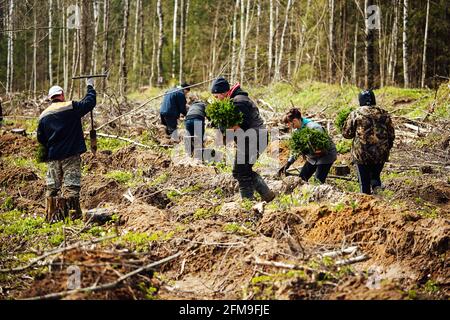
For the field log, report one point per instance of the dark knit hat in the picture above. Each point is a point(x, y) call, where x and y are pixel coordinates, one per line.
point(220, 85)
point(185, 86)
point(367, 98)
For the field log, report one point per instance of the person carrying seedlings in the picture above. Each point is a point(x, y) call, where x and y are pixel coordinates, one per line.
point(373, 136)
point(60, 133)
point(317, 161)
point(195, 125)
point(172, 106)
point(249, 136)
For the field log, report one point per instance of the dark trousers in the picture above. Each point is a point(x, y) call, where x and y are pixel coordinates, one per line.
point(321, 171)
point(195, 139)
point(171, 123)
point(249, 181)
point(369, 176)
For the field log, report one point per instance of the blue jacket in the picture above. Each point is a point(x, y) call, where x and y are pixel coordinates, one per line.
point(174, 103)
point(59, 129)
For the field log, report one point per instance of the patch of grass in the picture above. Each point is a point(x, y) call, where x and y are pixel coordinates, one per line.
point(339, 207)
point(247, 204)
point(219, 192)
point(30, 163)
point(162, 178)
point(150, 292)
point(206, 213)
point(8, 204)
point(108, 144)
point(348, 186)
point(431, 287)
point(284, 202)
point(238, 229)
point(122, 177)
point(141, 241)
point(344, 146)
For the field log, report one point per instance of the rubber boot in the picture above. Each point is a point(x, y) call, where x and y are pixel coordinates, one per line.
point(261, 187)
point(74, 208)
point(50, 209)
point(246, 189)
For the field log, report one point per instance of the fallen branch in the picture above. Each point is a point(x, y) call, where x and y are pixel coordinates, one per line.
point(109, 285)
point(333, 254)
point(110, 136)
point(56, 251)
point(344, 262)
point(284, 265)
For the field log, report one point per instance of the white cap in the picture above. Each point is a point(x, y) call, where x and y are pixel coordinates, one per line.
point(55, 91)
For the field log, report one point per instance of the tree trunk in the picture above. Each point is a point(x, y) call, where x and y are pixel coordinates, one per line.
point(153, 57)
point(136, 33)
point(405, 44)
point(174, 37)
point(394, 45)
point(255, 58)
point(331, 62)
point(96, 5)
point(355, 51)
point(10, 57)
point(234, 65)
point(65, 48)
point(123, 48)
point(271, 36)
point(34, 49)
point(214, 43)
point(105, 40)
point(159, 63)
point(425, 40)
point(344, 42)
point(183, 18)
point(280, 54)
point(142, 45)
point(50, 39)
point(369, 43)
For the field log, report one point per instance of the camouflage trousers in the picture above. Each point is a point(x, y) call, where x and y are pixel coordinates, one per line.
point(66, 175)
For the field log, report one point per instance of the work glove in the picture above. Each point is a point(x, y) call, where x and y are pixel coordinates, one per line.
point(90, 82)
point(283, 170)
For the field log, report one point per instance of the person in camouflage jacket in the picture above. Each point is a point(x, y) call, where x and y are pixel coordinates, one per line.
point(373, 136)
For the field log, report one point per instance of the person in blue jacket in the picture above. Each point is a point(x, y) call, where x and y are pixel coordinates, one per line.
point(172, 106)
point(61, 134)
point(319, 162)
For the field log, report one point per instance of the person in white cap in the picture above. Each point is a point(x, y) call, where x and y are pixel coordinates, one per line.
point(61, 134)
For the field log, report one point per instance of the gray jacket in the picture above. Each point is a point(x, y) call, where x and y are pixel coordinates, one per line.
point(196, 111)
point(328, 158)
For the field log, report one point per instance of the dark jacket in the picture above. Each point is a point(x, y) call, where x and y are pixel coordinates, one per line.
point(59, 129)
point(372, 132)
point(197, 111)
point(252, 118)
point(174, 103)
point(329, 155)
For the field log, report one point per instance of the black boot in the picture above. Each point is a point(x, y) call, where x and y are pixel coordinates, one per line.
point(74, 208)
point(261, 187)
point(246, 188)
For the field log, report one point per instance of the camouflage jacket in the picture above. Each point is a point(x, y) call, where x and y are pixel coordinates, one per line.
point(372, 132)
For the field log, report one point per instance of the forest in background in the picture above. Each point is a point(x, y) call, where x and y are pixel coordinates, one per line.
point(159, 43)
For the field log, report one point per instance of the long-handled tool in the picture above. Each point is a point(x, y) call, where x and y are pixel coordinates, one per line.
point(92, 132)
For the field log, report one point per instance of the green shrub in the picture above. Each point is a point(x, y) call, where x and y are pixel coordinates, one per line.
point(224, 114)
point(41, 154)
point(342, 116)
point(307, 141)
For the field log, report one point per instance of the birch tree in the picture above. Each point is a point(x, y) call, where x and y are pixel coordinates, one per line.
point(255, 58)
point(95, 4)
point(280, 54)
point(123, 48)
point(106, 5)
point(50, 39)
point(425, 40)
point(331, 57)
point(10, 55)
point(174, 37)
point(405, 44)
point(159, 63)
point(271, 36)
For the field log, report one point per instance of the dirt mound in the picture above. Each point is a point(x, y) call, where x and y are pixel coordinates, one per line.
point(152, 196)
point(141, 217)
point(357, 289)
point(17, 145)
point(96, 268)
point(15, 175)
point(97, 191)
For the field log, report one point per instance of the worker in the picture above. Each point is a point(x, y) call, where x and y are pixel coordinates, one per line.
point(319, 162)
point(172, 106)
point(248, 152)
point(60, 132)
point(195, 126)
point(373, 136)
